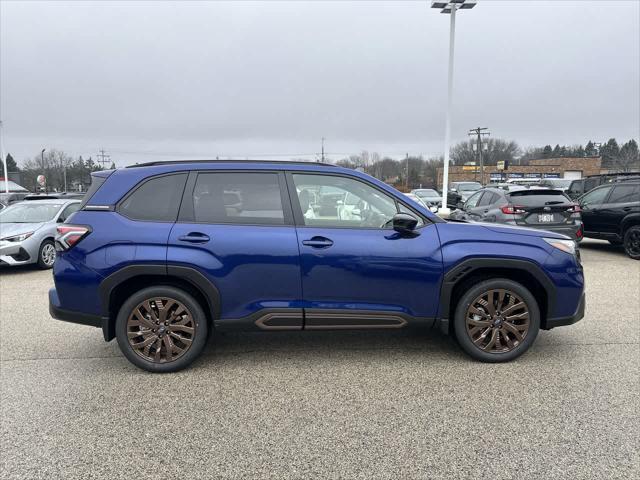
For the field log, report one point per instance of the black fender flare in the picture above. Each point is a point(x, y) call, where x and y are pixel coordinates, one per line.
point(187, 274)
point(466, 267)
point(631, 219)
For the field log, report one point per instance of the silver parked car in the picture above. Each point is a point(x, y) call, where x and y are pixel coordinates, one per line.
point(429, 196)
point(28, 229)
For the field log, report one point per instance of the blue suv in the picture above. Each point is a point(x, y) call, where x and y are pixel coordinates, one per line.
point(163, 255)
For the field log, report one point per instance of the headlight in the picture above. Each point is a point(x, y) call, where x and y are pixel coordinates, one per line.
point(18, 238)
point(568, 246)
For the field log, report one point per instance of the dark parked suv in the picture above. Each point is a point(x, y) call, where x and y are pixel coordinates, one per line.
point(532, 207)
point(163, 255)
point(612, 212)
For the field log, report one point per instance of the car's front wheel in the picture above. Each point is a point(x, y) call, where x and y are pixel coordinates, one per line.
point(632, 242)
point(161, 329)
point(496, 320)
point(46, 255)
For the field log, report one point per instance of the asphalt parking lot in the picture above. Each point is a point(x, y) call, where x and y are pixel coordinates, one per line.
point(325, 404)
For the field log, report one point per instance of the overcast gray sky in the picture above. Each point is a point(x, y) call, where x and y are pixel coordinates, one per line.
point(157, 80)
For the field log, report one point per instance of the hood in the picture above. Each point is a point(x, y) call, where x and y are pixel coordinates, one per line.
point(13, 229)
point(466, 193)
point(513, 230)
point(431, 198)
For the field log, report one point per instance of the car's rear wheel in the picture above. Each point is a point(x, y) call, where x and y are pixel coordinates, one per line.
point(46, 255)
point(632, 242)
point(161, 329)
point(497, 320)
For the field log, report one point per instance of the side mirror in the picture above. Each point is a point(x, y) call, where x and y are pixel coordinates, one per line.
point(404, 223)
point(460, 205)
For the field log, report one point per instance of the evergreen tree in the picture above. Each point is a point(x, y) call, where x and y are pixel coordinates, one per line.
point(610, 153)
point(590, 149)
point(547, 152)
point(12, 166)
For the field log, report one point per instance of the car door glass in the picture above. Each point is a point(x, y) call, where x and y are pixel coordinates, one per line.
point(486, 199)
point(595, 197)
point(74, 207)
point(624, 194)
point(242, 198)
point(473, 200)
point(336, 201)
point(157, 199)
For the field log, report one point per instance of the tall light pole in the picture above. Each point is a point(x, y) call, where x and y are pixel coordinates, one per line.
point(4, 162)
point(449, 7)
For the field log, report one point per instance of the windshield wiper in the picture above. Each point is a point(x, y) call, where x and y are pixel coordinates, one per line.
point(555, 202)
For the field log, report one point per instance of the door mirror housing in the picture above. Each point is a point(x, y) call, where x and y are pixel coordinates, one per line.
point(404, 223)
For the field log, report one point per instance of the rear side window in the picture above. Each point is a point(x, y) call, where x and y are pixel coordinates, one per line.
point(534, 198)
point(157, 199)
point(242, 198)
point(625, 194)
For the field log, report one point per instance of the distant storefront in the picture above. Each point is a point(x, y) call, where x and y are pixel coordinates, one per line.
point(569, 167)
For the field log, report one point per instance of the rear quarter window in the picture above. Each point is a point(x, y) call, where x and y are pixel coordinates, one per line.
point(156, 199)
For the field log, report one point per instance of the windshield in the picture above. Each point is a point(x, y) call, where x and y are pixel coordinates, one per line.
point(427, 192)
point(29, 213)
point(469, 187)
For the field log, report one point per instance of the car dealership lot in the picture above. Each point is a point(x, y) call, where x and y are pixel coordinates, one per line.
point(406, 404)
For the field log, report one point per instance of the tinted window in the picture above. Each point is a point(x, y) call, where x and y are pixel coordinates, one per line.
point(342, 202)
point(625, 194)
point(576, 186)
point(244, 198)
point(595, 196)
point(157, 199)
point(590, 183)
point(533, 198)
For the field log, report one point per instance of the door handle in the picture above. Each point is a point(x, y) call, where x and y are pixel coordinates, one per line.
point(318, 242)
point(194, 237)
point(626, 209)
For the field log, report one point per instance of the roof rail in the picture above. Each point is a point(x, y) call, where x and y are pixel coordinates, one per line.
point(173, 162)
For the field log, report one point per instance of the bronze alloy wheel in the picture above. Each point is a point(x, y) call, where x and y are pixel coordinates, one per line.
point(160, 330)
point(497, 321)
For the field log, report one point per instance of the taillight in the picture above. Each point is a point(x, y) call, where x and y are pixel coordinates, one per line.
point(512, 209)
point(579, 233)
point(574, 209)
point(69, 235)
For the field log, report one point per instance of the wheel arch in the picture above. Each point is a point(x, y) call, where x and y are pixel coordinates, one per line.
point(629, 221)
point(119, 286)
point(459, 278)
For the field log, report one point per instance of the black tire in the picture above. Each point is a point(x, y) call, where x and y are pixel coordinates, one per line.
point(191, 307)
point(460, 320)
point(44, 255)
point(632, 242)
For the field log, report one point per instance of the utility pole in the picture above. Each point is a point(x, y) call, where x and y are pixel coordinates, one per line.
point(4, 162)
point(322, 157)
point(46, 185)
point(407, 179)
point(479, 132)
point(103, 158)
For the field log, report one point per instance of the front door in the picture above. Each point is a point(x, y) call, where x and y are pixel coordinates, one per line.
point(591, 204)
point(237, 229)
point(356, 270)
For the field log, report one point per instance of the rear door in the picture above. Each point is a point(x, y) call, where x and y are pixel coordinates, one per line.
point(356, 270)
point(236, 228)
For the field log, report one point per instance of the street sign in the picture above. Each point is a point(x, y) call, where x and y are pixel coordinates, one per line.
point(41, 180)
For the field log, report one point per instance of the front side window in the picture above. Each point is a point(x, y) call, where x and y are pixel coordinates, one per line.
point(243, 198)
point(595, 196)
point(473, 200)
point(157, 199)
point(487, 199)
point(625, 194)
point(332, 201)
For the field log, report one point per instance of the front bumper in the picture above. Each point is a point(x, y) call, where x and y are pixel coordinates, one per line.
point(562, 321)
point(14, 253)
point(72, 316)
